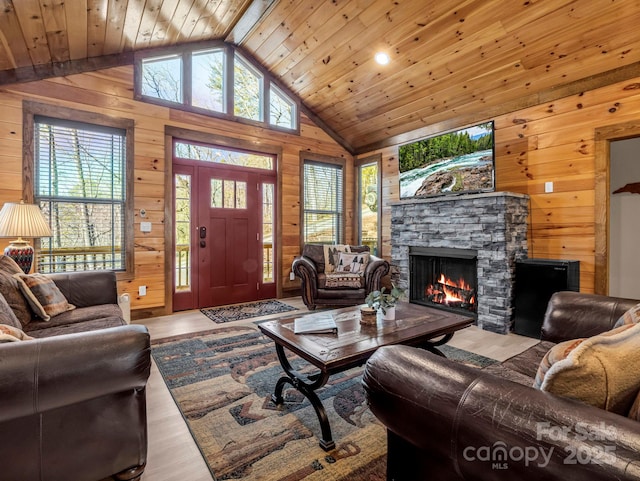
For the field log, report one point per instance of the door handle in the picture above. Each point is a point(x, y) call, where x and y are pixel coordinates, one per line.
point(203, 235)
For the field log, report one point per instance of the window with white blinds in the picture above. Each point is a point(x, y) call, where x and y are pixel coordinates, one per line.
point(80, 185)
point(323, 203)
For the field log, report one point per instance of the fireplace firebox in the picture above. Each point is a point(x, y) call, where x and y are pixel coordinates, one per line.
point(444, 278)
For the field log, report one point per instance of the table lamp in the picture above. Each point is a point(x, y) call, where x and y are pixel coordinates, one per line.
point(22, 220)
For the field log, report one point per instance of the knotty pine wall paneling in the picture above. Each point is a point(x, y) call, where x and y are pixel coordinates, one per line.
point(110, 92)
point(550, 142)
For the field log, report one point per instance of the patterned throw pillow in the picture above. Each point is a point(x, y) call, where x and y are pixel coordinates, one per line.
point(634, 413)
point(10, 288)
point(556, 354)
point(632, 316)
point(13, 306)
point(602, 371)
point(7, 316)
point(331, 256)
point(7, 264)
point(12, 334)
point(352, 263)
point(43, 295)
point(339, 280)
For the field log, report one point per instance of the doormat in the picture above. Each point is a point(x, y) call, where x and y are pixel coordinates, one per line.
point(222, 380)
point(247, 310)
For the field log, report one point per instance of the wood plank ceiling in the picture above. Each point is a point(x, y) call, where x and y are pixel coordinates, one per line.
point(452, 61)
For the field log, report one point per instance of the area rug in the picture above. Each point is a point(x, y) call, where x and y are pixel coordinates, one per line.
point(222, 381)
point(466, 357)
point(247, 310)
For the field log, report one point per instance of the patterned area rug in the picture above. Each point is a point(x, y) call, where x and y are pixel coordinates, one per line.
point(245, 311)
point(466, 357)
point(222, 381)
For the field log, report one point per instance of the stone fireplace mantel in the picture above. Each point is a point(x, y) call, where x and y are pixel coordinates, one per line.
point(494, 224)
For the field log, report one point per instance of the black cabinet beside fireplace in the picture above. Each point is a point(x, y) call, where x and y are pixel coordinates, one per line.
point(536, 280)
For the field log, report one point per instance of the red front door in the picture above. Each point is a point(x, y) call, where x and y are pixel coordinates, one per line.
point(224, 252)
point(228, 238)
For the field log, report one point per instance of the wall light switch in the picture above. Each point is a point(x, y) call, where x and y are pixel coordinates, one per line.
point(145, 226)
point(142, 290)
point(548, 187)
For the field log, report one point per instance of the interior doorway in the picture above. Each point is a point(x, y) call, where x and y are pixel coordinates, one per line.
point(224, 218)
point(624, 229)
point(605, 139)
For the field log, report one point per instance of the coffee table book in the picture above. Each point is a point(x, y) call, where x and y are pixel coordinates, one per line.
point(315, 325)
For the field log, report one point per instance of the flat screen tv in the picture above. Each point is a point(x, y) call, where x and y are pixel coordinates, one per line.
point(458, 162)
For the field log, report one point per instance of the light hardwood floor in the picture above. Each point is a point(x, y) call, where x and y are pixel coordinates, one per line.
point(173, 455)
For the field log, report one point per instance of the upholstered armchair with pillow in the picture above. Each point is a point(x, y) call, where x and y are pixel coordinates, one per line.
point(338, 275)
point(566, 409)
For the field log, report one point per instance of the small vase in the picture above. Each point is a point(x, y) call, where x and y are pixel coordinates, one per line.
point(391, 313)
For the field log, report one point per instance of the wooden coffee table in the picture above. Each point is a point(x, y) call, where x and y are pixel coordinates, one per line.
point(415, 325)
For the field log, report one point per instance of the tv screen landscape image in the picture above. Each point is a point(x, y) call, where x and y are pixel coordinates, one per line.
point(458, 162)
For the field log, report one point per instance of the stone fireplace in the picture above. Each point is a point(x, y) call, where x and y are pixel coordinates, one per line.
point(452, 237)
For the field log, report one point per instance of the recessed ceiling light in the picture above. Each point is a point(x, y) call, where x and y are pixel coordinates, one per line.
point(382, 58)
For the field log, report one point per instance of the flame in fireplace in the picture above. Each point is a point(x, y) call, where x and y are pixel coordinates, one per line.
point(449, 292)
point(452, 289)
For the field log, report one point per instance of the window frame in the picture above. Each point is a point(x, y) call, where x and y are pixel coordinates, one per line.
point(307, 157)
point(230, 53)
point(295, 116)
point(188, 70)
point(159, 59)
point(31, 110)
point(263, 86)
point(359, 163)
point(176, 269)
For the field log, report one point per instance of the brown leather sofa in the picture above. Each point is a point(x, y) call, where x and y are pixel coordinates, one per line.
point(74, 405)
point(310, 267)
point(449, 421)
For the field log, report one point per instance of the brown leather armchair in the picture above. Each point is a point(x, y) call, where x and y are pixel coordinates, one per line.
point(448, 421)
point(315, 292)
point(74, 406)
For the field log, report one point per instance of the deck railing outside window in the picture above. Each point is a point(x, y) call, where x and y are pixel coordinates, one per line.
point(80, 259)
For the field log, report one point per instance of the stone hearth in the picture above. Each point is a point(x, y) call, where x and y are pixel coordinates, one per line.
point(493, 224)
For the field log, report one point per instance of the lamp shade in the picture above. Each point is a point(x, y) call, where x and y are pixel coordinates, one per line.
point(23, 220)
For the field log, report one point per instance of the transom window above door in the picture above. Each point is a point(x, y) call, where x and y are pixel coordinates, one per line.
point(219, 155)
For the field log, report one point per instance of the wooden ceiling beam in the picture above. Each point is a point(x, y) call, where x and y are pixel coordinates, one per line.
point(61, 69)
point(249, 20)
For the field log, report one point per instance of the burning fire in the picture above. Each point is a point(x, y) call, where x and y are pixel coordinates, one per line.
point(450, 292)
